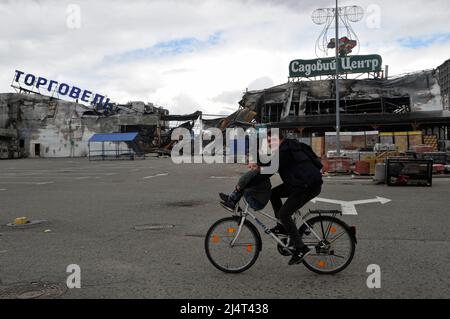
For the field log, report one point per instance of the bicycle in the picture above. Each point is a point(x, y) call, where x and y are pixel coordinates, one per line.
point(233, 244)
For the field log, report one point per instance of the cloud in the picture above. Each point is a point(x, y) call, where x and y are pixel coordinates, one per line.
point(261, 83)
point(228, 97)
point(167, 49)
point(176, 71)
point(185, 104)
point(233, 97)
point(420, 42)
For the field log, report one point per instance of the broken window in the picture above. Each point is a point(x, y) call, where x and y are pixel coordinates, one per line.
point(295, 109)
point(271, 112)
point(396, 105)
point(37, 150)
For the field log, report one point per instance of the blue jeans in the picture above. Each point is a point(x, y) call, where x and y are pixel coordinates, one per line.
point(254, 204)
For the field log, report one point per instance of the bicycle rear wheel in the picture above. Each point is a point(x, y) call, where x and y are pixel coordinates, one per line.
point(235, 258)
point(336, 248)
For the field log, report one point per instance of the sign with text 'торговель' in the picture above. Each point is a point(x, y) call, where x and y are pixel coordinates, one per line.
point(42, 85)
point(327, 66)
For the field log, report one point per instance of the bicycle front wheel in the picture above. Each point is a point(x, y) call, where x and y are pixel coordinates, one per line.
point(334, 251)
point(232, 257)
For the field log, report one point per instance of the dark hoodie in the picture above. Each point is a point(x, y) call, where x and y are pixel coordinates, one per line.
point(296, 168)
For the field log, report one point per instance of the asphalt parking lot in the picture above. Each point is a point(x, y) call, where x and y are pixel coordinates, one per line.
point(92, 210)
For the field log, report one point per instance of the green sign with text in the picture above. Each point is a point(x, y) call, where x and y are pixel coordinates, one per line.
point(327, 66)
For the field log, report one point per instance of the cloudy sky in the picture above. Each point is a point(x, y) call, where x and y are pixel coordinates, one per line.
point(192, 55)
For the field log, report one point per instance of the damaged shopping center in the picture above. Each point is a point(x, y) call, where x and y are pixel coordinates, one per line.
point(41, 126)
point(47, 118)
point(35, 125)
point(416, 102)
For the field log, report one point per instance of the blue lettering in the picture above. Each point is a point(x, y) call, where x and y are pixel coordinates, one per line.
point(106, 105)
point(51, 85)
point(98, 99)
point(75, 93)
point(40, 82)
point(66, 89)
point(86, 95)
point(18, 75)
point(32, 77)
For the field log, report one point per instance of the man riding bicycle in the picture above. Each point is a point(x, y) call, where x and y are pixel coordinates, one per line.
point(300, 171)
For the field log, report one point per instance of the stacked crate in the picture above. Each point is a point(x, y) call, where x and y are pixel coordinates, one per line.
point(371, 138)
point(401, 141)
point(358, 140)
point(432, 141)
point(422, 149)
point(318, 146)
point(387, 138)
point(339, 165)
point(414, 139)
point(404, 141)
point(362, 168)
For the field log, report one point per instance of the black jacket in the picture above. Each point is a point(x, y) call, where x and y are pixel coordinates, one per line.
point(296, 167)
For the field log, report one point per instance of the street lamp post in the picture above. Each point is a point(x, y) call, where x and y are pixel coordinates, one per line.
point(325, 16)
point(338, 110)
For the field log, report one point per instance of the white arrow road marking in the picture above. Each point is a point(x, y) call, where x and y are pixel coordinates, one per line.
point(157, 175)
point(349, 207)
point(380, 200)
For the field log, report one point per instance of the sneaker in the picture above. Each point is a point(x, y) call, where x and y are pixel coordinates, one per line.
point(228, 205)
point(299, 255)
point(279, 230)
point(224, 197)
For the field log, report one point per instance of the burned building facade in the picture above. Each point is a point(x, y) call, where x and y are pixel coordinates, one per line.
point(33, 125)
point(411, 102)
point(444, 83)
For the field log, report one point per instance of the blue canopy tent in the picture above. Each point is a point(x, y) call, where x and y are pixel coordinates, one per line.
point(117, 139)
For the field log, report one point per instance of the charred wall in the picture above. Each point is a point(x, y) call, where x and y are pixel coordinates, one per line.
point(414, 92)
point(444, 82)
point(54, 128)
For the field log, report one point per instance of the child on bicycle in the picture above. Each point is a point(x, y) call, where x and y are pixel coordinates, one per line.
point(255, 192)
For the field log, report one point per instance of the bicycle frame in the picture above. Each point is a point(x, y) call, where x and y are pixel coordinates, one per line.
point(246, 213)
